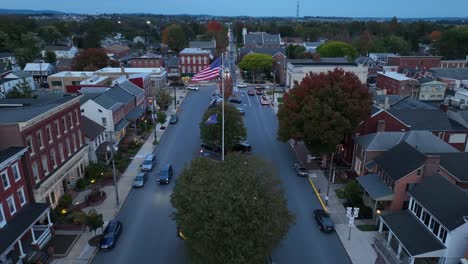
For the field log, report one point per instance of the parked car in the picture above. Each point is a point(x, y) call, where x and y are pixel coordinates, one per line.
point(140, 179)
point(242, 146)
point(240, 110)
point(324, 220)
point(165, 175)
point(177, 84)
point(251, 92)
point(110, 234)
point(193, 87)
point(173, 119)
point(235, 100)
point(148, 163)
point(259, 92)
point(300, 170)
point(241, 85)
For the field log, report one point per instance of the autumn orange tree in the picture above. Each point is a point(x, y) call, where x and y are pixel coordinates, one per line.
point(92, 59)
point(322, 109)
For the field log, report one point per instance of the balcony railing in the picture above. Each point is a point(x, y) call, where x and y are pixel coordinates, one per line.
point(380, 242)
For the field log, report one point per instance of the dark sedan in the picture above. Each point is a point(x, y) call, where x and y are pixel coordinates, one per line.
point(110, 235)
point(173, 119)
point(235, 100)
point(324, 221)
point(251, 92)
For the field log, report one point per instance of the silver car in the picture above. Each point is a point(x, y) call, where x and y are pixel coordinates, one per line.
point(140, 179)
point(300, 170)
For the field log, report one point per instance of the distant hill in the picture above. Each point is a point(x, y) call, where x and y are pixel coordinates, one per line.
point(28, 12)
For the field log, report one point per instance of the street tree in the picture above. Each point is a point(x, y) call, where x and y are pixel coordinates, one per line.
point(211, 132)
point(295, 51)
point(91, 60)
point(322, 109)
point(161, 117)
point(29, 49)
point(50, 57)
point(453, 43)
point(256, 63)
point(231, 212)
point(337, 49)
point(176, 39)
point(94, 221)
point(20, 90)
point(163, 99)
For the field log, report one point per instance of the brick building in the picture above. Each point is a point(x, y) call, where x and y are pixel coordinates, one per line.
point(50, 126)
point(420, 62)
point(396, 83)
point(24, 226)
point(193, 60)
point(148, 60)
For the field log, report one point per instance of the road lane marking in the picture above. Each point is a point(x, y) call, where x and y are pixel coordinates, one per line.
point(248, 99)
point(318, 195)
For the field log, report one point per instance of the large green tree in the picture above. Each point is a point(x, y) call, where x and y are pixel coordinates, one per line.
point(323, 108)
point(231, 212)
point(176, 39)
point(392, 44)
point(233, 127)
point(453, 44)
point(20, 90)
point(255, 63)
point(50, 57)
point(50, 34)
point(337, 49)
point(29, 49)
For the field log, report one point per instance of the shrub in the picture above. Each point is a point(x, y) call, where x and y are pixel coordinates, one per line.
point(65, 201)
point(79, 218)
point(352, 192)
point(365, 212)
point(81, 184)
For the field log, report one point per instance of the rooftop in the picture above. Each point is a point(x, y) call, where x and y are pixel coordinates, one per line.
point(211, 44)
point(73, 74)
point(132, 70)
point(33, 66)
point(61, 48)
point(443, 199)
point(95, 79)
point(90, 128)
point(424, 119)
point(455, 164)
point(400, 160)
point(395, 75)
point(6, 154)
point(322, 61)
point(194, 51)
point(114, 98)
point(451, 73)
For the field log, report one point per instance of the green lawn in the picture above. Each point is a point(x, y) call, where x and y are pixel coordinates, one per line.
point(367, 227)
point(340, 193)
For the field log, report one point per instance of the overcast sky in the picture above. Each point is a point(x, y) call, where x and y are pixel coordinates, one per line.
point(346, 8)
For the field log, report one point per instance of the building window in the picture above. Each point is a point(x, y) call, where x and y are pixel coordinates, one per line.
point(5, 180)
point(62, 156)
point(357, 166)
point(52, 196)
point(30, 145)
point(435, 228)
point(80, 138)
point(56, 83)
point(22, 197)
point(39, 139)
point(418, 172)
point(57, 128)
point(16, 172)
point(2, 216)
point(64, 123)
point(77, 116)
point(67, 141)
point(11, 205)
point(45, 166)
point(74, 142)
point(53, 158)
point(70, 117)
point(49, 134)
point(104, 122)
point(426, 217)
point(35, 170)
point(443, 234)
point(194, 69)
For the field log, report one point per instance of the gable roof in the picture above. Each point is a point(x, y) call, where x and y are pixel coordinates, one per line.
point(455, 164)
point(451, 73)
point(90, 128)
point(269, 51)
point(172, 62)
point(211, 44)
point(33, 66)
point(10, 152)
point(444, 200)
point(131, 88)
point(380, 141)
point(425, 119)
point(410, 103)
point(114, 98)
point(262, 38)
point(400, 160)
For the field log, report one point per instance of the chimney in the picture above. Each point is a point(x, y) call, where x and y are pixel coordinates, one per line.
point(386, 106)
point(381, 126)
point(431, 165)
point(444, 107)
point(122, 70)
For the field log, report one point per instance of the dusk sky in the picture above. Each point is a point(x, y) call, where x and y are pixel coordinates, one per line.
point(347, 8)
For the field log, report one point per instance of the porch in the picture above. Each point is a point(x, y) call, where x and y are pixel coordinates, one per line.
point(377, 195)
point(25, 236)
point(403, 239)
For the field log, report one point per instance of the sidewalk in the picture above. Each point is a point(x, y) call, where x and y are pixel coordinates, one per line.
point(359, 247)
point(82, 252)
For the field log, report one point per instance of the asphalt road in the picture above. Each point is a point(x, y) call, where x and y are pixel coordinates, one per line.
point(149, 234)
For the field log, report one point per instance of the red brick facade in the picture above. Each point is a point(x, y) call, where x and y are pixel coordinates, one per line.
point(394, 86)
point(194, 63)
point(146, 62)
point(420, 62)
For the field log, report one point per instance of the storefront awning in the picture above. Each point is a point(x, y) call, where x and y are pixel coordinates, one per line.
point(375, 187)
point(134, 114)
point(121, 125)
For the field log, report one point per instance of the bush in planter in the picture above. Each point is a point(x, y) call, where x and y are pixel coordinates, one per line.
point(94, 170)
point(65, 201)
point(79, 218)
point(81, 184)
point(352, 192)
point(365, 212)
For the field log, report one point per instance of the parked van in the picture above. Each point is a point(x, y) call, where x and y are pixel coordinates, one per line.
point(148, 164)
point(165, 174)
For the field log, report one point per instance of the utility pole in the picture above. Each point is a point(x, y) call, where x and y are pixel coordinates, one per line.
point(113, 169)
point(175, 98)
point(222, 106)
point(329, 179)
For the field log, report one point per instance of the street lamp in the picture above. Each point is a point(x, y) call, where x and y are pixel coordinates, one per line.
point(112, 150)
point(377, 217)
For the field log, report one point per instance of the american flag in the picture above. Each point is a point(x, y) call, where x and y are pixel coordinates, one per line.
point(209, 73)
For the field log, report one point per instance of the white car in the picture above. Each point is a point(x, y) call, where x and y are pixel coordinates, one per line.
point(192, 87)
point(241, 85)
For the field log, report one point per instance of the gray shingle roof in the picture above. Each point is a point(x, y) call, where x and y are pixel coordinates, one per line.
point(451, 73)
point(380, 141)
point(400, 160)
point(61, 48)
point(409, 103)
point(262, 38)
point(425, 119)
point(90, 128)
point(9, 152)
point(375, 187)
point(131, 88)
point(414, 236)
point(203, 44)
point(269, 51)
point(322, 61)
point(172, 62)
point(455, 164)
point(31, 107)
point(444, 200)
point(114, 98)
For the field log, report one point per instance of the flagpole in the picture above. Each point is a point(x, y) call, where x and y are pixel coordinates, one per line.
point(222, 105)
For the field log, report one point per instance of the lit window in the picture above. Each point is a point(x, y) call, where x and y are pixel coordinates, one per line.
point(11, 205)
point(16, 172)
point(22, 197)
point(80, 138)
point(67, 141)
point(74, 142)
point(5, 180)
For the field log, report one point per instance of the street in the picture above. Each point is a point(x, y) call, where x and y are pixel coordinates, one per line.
point(149, 233)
